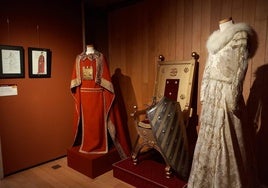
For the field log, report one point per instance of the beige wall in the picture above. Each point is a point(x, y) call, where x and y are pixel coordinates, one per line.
point(36, 125)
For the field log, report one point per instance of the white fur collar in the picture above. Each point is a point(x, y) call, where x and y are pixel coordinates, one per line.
point(218, 39)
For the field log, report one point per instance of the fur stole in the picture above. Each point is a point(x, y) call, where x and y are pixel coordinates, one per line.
point(218, 39)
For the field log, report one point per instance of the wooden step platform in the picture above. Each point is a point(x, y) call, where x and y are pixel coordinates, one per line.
point(149, 173)
point(91, 165)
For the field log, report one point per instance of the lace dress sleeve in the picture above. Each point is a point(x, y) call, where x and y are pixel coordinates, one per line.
point(204, 82)
point(240, 45)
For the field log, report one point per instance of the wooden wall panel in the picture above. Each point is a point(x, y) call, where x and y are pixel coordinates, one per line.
point(197, 25)
point(260, 26)
point(225, 8)
point(188, 29)
point(237, 10)
point(249, 15)
point(215, 12)
point(180, 20)
point(175, 28)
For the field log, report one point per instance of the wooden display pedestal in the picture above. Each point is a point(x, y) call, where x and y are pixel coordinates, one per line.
point(149, 173)
point(91, 165)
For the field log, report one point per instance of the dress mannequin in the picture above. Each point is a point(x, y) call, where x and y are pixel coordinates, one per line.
point(223, 24)
point(90, 49)
point(96, 115)
point(223, 155)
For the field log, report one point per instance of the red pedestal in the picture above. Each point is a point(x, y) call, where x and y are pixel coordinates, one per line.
point(91, 165)
point(147, 174)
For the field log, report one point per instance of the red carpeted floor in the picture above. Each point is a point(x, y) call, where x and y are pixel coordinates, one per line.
point(149, 173)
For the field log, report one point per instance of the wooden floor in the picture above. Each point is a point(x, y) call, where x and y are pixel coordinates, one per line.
point(57, 174)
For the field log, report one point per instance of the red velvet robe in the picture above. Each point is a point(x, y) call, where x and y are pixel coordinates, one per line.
point(95, 109)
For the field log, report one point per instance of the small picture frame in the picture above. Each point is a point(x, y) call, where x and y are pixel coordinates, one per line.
point(39, 62)
point(11, 61)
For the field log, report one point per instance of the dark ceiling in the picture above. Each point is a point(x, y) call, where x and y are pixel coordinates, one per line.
point(109, 4)
point(103, 3)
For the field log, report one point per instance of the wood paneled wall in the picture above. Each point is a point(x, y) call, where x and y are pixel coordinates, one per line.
point(138, 34)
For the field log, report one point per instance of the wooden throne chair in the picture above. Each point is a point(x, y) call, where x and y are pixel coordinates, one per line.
point(162, 126)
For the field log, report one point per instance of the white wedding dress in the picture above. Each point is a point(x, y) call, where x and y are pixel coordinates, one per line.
point(221, 153)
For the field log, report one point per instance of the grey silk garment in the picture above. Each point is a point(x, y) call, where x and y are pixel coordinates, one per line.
point(221, 153)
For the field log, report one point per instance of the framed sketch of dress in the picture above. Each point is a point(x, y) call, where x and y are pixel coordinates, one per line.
point(39, 62)
point(11, 61)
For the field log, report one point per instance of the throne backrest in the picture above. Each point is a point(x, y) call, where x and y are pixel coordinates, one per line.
point(175, 80)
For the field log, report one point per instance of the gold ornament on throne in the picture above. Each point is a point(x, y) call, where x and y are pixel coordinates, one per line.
point(166, 120)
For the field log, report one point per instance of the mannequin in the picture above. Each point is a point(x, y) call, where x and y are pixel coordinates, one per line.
point(225, 23)
point(96, 115)
point(223, 153)
point(90, 49)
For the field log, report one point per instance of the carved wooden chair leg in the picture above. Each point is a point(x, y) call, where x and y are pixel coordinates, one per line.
point(135, 152)
point(168, 171)
point(134, 158)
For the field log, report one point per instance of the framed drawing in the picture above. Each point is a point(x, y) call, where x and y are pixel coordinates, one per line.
point(39, 62)
point(11, 61)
